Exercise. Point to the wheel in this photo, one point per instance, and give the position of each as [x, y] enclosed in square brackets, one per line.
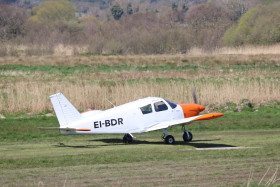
[186, 137]
[127, 138]
[169, 139]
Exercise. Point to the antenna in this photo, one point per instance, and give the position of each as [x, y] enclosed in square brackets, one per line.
[110, 102]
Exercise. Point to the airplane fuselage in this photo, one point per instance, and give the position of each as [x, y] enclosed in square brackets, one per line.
[127, 118]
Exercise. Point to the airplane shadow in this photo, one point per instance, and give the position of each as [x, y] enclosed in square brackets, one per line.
[118, 142]
[84, 146]
[208, 145]
[77, 146]
[194, 143]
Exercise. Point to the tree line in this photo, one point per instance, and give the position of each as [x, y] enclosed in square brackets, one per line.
[130, 30]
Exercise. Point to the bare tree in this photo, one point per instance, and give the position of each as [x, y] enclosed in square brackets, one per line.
[12, 21]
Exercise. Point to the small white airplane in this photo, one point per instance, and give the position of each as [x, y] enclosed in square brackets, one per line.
[143, 115]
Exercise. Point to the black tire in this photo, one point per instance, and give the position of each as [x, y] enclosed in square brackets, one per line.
[124, 139]
[127, 138]
[169, 139]
[187, 138]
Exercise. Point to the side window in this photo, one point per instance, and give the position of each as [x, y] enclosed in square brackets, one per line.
[147, 109]
[160, 106]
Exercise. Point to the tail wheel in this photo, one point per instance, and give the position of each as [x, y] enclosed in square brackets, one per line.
[187, 136]
[127, 138]
[169, 139]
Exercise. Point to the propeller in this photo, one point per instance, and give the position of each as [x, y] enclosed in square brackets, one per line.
[194, 95]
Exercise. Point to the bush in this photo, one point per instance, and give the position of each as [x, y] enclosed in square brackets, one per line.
[3, 49]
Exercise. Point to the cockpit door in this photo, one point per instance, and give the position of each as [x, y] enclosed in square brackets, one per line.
[163, 112]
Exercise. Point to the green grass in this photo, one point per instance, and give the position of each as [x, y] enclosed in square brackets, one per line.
[32, 157]
[65, 70]
[68, 70]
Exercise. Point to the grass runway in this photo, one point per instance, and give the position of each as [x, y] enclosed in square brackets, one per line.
[32, 157]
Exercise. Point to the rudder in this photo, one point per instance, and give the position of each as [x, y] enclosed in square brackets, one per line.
[65, 112]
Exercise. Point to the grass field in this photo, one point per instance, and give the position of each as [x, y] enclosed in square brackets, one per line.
[26, 82]
[245, 87]
[32, 157]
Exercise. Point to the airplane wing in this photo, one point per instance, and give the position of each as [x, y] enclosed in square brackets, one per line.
[166, 124]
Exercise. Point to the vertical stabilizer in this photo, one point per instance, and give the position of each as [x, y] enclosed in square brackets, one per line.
[66, 113]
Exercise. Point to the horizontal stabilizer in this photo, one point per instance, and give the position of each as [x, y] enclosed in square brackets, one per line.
[83, 130]
[49, 128]
[65, 129]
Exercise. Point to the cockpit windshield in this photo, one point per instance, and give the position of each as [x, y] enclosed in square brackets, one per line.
[172, 105]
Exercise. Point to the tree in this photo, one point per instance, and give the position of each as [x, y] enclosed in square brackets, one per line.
[185, 8]
[117, 11]
[259, 25]
[53, 11]
[137, 9]
[207, 23]
[9, 1]
[129, 9]
[174, 6]
[12, 21]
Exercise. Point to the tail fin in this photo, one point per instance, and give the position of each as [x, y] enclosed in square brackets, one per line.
[65, 112]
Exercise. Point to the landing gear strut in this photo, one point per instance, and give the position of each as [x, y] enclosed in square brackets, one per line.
[127, 138]
[168, 139]
[187, 136]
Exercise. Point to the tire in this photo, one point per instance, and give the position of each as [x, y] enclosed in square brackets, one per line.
[187, 138]
[127, 138]
[169, 139]
[124, 139]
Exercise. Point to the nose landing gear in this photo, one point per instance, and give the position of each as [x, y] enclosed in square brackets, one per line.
[187, 136]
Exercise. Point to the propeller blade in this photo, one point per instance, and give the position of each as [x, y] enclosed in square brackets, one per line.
[194, 96]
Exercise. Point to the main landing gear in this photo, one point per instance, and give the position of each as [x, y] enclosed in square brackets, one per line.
[127, 138]
[169, 139]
